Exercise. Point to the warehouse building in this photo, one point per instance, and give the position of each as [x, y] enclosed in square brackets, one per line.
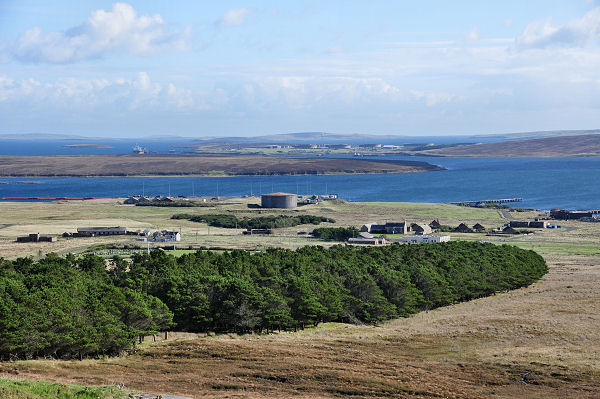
[279, 200]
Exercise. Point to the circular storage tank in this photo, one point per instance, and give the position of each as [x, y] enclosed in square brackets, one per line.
[279, 200]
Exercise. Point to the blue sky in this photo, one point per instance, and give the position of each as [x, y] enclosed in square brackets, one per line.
[140, 68]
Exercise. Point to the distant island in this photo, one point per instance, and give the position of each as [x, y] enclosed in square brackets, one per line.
[198, 165]
[561, 146]
[88, 145]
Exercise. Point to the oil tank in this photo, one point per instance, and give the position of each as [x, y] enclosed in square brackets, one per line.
[279, 200]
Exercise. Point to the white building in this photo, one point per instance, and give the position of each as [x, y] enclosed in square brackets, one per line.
[424, 239]
[166, 236]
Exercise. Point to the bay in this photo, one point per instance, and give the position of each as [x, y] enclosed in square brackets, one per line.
[543, 183]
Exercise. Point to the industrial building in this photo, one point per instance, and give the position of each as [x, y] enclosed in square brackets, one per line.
[279, 200]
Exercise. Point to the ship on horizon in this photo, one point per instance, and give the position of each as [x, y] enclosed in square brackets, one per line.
[137, 149]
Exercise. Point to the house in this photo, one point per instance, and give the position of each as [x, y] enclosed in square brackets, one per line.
[421, 229]
[463, 228]
[166, 236]
[101, 231]
[367, 239]
[509, 230]
[424, 239]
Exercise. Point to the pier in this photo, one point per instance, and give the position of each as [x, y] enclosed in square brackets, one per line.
[484, 202]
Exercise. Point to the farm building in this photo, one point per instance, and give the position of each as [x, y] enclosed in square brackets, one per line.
[36, 237]
[518, 223]
[435, 224]
[388, 228]
[424, 239]
[537, 224]
[367, 238]
[479, 227]
[463, 228]
[101, 231]
[421, 229]
[279, 200]
[568, 215]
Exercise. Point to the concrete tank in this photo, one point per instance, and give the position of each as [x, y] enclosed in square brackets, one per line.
[279, 200]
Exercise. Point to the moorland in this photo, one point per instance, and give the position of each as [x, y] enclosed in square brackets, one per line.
[199, 165]
[536, 341]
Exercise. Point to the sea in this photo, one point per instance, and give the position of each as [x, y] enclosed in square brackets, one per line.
[542, 183]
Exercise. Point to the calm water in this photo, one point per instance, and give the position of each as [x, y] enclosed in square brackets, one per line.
[543, 183]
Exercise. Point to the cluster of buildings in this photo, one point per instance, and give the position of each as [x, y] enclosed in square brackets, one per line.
[422, 234]
[396, 228]
[136, 199]
[157, 236]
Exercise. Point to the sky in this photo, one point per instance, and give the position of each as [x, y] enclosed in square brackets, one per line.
[235, 68]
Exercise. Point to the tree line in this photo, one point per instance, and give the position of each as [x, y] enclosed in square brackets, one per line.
[262, 222]
[67, 307]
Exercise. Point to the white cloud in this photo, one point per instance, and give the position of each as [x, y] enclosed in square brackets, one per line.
[68, 93]
[118, 31]
[472, 35]
[578, 32]
[234, 17]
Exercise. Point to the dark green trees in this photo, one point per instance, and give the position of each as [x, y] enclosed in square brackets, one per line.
[68, 307]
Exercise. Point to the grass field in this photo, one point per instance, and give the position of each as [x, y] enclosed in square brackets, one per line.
[19, 389]
[541, 341]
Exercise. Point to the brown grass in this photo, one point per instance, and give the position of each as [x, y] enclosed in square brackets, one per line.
[546, 334]
[212, 165]
[561, 146]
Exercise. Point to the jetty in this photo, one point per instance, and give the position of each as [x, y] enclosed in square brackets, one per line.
[484, 202]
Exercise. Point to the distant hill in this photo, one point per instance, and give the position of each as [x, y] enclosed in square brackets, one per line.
[560, 146]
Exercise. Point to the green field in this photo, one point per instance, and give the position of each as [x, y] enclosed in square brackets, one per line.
[23, 389]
